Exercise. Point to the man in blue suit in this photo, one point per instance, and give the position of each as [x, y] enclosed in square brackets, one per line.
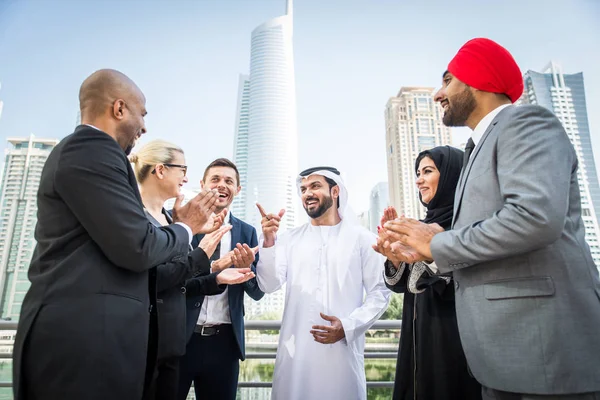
[215, 324]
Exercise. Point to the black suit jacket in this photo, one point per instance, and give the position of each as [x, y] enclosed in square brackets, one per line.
[171, 291]
[241, 232]
[84, 326]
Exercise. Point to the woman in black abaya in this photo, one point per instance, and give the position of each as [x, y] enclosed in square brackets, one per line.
[431, 363]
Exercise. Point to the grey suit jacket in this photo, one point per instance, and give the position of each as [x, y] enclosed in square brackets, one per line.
[527, 289]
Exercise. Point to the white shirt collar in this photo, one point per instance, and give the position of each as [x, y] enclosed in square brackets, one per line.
[226, 220]
[92, 126]
[485, 123]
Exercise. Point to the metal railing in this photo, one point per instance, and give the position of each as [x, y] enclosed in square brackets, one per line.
[257, 325]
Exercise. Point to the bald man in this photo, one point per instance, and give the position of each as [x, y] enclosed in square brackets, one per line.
[84, 326]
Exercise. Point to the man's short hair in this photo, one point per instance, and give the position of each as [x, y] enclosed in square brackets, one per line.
[222, 162]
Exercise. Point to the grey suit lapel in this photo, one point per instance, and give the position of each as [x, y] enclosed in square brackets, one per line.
[464, 175]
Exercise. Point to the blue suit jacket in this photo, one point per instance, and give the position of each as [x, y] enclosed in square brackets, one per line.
[241, 232]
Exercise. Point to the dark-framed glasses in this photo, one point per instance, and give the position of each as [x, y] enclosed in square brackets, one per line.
[183, 167]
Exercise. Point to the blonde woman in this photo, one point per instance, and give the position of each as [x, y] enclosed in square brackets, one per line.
[160, 170]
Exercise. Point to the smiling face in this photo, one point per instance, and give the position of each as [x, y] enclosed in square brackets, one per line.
[428, 177]
[317, 196]
[172, 176]
[457, 100]
[132, 125]
[224, 179]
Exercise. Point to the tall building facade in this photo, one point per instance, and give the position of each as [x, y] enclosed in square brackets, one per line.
[18, 216]
[380, 199]
[564, 95]
[363, 219]
[272, 132]
[413, 123]
[240, 145]
[266, 139]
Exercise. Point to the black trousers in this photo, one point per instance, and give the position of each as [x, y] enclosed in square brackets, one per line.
[165, 382]
[213, 364]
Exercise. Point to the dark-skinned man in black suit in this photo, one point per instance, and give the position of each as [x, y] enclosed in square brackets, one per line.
[85, 321]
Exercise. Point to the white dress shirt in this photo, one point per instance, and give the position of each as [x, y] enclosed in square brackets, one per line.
[215, 309]
[485, 123]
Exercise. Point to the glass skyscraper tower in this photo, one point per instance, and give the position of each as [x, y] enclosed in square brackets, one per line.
[564, 95]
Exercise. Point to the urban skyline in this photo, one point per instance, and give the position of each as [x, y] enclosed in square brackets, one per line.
[272, 145]
[413, 123]
[348, 57]
[266, 135]
[18, 216]
[564, 95]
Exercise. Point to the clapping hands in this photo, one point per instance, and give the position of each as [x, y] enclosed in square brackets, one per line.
[389, 243]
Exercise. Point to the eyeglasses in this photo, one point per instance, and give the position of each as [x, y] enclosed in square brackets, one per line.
[183, 168]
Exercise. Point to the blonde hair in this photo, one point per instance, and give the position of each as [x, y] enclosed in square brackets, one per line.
[153, 153]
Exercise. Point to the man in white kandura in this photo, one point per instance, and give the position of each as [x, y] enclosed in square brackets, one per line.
[329, 266]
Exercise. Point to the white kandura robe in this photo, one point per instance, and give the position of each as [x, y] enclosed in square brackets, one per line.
[323, 275]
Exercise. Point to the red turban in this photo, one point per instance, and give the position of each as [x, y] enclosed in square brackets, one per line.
[485, 65]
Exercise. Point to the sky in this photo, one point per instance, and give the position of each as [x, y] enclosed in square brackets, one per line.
[350, 57]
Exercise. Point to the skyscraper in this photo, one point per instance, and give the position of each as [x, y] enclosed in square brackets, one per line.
[18, 216]
[240, 145]
[266, 142]
[380, 198]
[413, 123]
[272, 132]
[564, 95]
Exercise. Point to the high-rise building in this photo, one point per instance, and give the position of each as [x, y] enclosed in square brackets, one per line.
[266, 143]
[363, 219]
[272, 132]
[18, 216]
[379, 200]
[564, 95]
[240, 145]
[413, 123]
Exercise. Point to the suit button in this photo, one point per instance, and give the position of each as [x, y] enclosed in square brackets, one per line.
[456, 285]
[197, 304]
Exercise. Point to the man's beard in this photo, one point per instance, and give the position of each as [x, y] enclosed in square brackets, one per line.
[459, 108]
[125, 131]
[321, 209]
[129, 148]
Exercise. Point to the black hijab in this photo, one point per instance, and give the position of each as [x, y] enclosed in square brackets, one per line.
[448, 160]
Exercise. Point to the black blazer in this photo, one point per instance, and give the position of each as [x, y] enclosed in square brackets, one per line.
[241, 232]
[171, 290]
[84, 326]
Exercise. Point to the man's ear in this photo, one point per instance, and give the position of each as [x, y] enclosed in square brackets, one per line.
[118, 109]
[335, 191]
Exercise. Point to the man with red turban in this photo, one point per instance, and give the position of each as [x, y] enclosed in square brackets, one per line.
[527, 289]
